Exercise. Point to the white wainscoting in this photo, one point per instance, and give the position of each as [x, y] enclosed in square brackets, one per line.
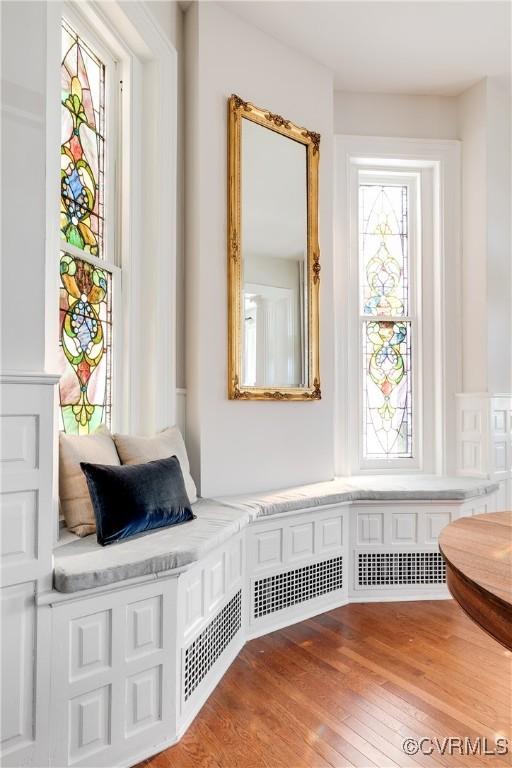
[113, 675]
[132, 665]
[484, 440]
[27, 522]
[123, 670]
[394, 552]
[297, 566]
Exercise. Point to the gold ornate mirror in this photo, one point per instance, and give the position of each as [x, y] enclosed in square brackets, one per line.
[273, 257]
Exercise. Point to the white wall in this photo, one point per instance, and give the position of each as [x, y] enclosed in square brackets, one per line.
[473, 132]
[499, 245]
[395, 115]
[169, 18]
[23, 228]
[484, 127]
[244, 446]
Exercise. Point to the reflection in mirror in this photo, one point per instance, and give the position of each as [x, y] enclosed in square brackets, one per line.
[274, 259]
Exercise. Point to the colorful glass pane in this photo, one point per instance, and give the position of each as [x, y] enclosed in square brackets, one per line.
[85, 345]
[383, 245]
[82, 144]
[387, 411]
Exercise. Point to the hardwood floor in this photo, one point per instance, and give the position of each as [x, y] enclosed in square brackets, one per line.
[347, 687]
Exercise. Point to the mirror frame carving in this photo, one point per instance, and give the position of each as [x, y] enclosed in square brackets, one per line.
[239, 109]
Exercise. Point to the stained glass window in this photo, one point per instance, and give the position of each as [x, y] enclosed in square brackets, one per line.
[82, 144]
[85, 345]
[85, 349]
[383, 249]
[386, 328]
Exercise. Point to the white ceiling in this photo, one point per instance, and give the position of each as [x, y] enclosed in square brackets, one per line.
[429, 47]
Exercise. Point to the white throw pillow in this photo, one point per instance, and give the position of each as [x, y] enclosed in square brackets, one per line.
[139, 450]
[75, 502]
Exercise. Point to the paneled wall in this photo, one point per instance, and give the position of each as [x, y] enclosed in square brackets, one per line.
[28, 519]
[484, 440]
[244, 446]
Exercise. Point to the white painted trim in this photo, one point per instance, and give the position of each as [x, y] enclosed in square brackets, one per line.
[52, 188]
[144, 384]
[21, 377]
[443, 157]
[443, 594]
[484, 439]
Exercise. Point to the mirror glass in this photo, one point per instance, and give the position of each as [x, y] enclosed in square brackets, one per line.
[274, 237]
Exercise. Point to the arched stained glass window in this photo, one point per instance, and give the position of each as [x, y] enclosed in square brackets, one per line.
[85, 350]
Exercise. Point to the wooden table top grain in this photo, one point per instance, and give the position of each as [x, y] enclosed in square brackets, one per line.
[478, 555]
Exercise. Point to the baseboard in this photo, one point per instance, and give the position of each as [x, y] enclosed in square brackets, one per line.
[414, 597]
[140, 757]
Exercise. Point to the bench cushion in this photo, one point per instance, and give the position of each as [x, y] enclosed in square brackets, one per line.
[83, 564]
[361, 488]
[422, 487]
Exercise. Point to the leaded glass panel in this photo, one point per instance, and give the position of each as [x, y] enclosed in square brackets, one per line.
[387, 385]
[383, 249]
[82, 144]
[85, 350]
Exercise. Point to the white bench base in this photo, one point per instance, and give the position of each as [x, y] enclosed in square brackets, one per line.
[133, 664]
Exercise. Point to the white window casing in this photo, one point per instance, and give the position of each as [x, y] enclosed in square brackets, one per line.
[140, 233]
[431, 171]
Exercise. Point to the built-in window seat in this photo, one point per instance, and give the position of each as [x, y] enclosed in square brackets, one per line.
[143, 630]
[361, 488]
[81, 563]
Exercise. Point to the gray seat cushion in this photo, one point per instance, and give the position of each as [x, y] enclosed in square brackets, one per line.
[81, 563]
[422, 487]
[362, 488]
[269, 503]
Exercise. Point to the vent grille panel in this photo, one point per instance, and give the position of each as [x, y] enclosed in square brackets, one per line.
[274, 593]
[376, 569]
[202, 654]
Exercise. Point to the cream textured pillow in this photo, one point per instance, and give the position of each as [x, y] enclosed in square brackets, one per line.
[75, 502]
[139, 450]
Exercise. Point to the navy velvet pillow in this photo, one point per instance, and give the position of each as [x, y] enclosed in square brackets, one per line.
[133, 498]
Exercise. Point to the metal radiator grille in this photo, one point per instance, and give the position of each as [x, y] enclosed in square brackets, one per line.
[285, 589]
[394, 568]
[202, 654]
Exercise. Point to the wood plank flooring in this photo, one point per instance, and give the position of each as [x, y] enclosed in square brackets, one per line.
[347, 687]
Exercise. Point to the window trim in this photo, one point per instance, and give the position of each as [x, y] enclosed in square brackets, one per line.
[412, 180]
[146, 387]
[441, 158]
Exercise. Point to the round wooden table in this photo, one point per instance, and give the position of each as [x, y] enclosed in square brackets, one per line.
[478, 555]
